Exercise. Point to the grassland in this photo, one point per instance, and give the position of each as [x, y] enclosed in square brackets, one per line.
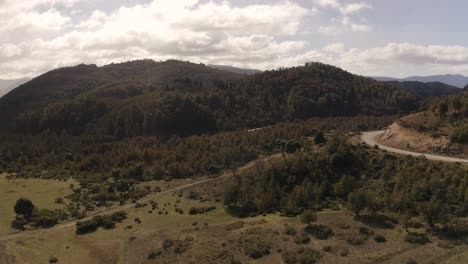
[217, 237]
[42, 192]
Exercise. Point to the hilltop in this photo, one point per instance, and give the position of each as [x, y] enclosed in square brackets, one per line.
[175, 97]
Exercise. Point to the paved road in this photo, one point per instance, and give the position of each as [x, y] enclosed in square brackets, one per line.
[370, 138]
[72, 223]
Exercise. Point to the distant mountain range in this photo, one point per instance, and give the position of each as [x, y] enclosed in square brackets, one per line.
[7, 85]
[457, 80]
[235, 70]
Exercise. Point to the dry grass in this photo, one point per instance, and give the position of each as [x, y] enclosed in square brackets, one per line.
[41, 192]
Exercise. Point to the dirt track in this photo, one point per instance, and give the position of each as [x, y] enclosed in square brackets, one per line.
[72, 223]
[370, 138]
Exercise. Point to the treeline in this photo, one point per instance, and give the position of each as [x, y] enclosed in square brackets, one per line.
[159, 99]
[93, 158]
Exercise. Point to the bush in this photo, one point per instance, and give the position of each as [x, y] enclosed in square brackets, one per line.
[87, 226]
[456, 227]
[417, 238]
[356, 240]
[104, 221]
[380, 239]
[319, 231]
[154, 255]
[327, 248]
[45, 218]
[365, 231]
[302, 256]
[201, 210]
[290, 231]
[255, 249]
[53, 259]
[167, 243]
[302, 238]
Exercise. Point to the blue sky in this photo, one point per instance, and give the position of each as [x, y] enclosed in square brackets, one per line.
[369, 37]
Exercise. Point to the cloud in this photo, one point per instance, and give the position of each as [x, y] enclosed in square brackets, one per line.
[346, 11]
[211, 32]
[399, 59]
[328, 30]
[360, 28]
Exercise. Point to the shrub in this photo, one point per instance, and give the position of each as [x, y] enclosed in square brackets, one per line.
[87, 226]
[356, 240]
[201, 210]
[380, 239]
[290, 231]
[255, 249]
[104, 221]
[302, 238]
[167, 243]
[155, 254]
[180, 246]
[45, 218]
[417, 238]
[53, 259]
[365, 231]
[456, 227]
[327, 248]
[321, 232]
[302, 256]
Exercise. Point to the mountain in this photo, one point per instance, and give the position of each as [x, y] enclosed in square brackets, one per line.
[235, 70]
[174, 97]
[457, 80]
[8, 85]
[430, 89]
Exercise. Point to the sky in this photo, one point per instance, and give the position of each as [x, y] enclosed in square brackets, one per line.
[396, 38]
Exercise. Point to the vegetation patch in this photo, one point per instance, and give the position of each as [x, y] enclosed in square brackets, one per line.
[104, 221]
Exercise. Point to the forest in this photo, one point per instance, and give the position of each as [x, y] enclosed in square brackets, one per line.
[146, 98]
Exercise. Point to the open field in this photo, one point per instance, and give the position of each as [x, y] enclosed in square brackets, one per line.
[217, 237]
[42, 192]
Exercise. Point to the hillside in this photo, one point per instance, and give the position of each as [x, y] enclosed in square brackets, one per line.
[173, 97]
[456, 80]
[442, 128]
[235, 69]
[430, 89]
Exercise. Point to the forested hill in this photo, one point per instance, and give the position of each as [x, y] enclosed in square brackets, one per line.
[430, 89]
[174, 97]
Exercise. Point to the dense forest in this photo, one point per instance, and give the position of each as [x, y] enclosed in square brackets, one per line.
[93, 158]
[147, 98]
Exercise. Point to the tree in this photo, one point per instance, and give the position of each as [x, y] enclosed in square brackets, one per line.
[320, 138]
[24, 207]
[358, 200]
[442, 108]
[308, 216]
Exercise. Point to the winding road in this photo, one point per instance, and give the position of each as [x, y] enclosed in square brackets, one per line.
[370, 138]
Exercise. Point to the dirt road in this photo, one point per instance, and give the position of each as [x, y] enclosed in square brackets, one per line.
[72, 223]
[370, 138]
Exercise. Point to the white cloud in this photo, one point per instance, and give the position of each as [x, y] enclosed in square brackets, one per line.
[361, 28]
[346, 11]
[328, 30]
[399, 59]
[160, 29]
